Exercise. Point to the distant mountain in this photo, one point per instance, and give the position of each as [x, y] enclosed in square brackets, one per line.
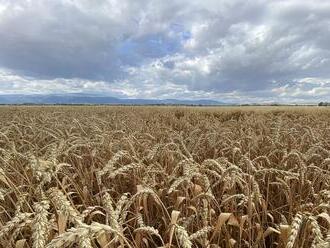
[93, 99]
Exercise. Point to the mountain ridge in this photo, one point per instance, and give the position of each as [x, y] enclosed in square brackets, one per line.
[97, 99]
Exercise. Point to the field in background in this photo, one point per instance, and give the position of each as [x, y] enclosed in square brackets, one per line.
[164, 177]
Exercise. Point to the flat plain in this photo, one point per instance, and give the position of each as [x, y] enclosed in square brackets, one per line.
[115, 176]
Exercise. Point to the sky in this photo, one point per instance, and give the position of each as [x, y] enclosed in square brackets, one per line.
[232, 51]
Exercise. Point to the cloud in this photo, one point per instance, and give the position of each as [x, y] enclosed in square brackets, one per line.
[235, 50]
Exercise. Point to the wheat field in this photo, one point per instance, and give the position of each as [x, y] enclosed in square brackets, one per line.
[98, 176]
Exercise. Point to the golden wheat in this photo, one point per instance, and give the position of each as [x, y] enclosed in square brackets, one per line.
[98, 176]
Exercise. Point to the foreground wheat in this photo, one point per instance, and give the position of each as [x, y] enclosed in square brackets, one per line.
[164, 177]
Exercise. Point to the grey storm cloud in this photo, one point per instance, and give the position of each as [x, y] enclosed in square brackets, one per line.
[260, 50]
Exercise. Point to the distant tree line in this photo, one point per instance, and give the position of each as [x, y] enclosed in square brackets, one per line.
[324, 104]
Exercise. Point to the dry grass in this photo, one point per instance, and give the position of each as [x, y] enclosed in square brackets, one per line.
[164, 177]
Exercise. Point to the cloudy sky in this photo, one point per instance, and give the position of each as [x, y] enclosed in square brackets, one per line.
[233, 50]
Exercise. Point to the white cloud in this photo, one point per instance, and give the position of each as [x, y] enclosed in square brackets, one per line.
[236, 50]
